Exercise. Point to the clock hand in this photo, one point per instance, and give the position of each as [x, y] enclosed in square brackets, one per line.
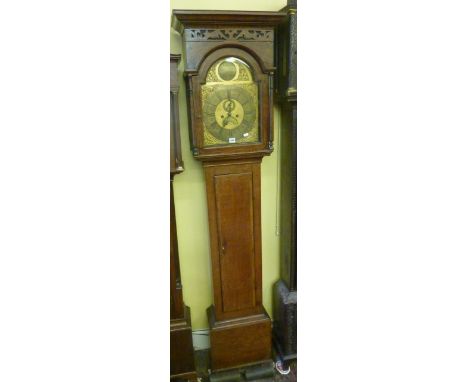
[229, 106]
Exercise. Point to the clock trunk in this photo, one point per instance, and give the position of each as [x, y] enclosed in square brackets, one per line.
[233, 195]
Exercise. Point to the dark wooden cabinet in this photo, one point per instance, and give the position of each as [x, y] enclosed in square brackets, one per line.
[176, 162]
[177, 303]
[285, 294]
[182, 357]
[229, 57]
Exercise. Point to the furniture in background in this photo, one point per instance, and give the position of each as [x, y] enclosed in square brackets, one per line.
[182, 357]
[285, 294]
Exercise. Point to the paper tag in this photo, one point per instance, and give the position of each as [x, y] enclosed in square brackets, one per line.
[232, 140]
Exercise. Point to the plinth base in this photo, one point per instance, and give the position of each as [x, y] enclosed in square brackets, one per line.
[240, 341]
[285, 317]
[182, 358]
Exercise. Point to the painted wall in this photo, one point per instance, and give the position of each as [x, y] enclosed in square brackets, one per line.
[190, 195]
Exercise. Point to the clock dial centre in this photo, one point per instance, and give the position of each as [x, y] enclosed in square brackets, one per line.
[229, 114]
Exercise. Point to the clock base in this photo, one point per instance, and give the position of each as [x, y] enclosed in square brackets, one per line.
[239, 341]
[182, 357]
[285, 315]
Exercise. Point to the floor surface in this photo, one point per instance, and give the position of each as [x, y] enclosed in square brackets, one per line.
[202, 363]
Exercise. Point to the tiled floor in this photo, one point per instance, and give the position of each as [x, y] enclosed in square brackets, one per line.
[202, 361]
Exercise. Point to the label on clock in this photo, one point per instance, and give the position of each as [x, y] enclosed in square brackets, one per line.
[232, 140]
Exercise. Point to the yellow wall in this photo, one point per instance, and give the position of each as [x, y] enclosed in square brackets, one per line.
[190, 196]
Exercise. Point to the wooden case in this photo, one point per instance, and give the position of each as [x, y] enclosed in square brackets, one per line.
[240, 327]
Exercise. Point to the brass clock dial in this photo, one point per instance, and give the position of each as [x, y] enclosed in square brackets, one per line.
[230, 104]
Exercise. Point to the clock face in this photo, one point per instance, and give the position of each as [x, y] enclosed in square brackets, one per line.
[230, 104]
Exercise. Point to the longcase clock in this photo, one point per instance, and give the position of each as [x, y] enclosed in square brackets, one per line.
[229, 69]
[182, 358]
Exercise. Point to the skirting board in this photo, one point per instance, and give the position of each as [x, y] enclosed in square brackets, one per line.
[201, 339]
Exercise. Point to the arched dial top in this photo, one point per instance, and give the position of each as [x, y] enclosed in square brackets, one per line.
[230, 104]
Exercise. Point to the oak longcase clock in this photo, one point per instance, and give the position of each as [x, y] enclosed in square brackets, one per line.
[229, 68]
